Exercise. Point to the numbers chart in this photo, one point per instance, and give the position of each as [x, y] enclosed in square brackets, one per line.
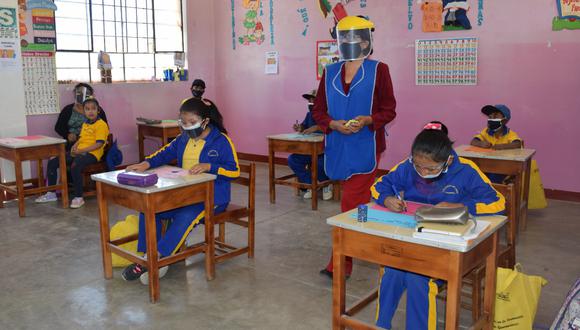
[446, 61]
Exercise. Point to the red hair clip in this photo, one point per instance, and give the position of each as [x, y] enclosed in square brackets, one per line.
[435, 126]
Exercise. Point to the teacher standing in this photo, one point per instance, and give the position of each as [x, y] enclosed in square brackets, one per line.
[354, 102]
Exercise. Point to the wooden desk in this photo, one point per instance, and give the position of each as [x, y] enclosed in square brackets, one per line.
[396, 247]
[164, 131]
[167, 194]
[515, 162]
[36, 148]
[295, 143]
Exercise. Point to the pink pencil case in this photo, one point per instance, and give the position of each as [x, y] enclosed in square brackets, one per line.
[137, 179]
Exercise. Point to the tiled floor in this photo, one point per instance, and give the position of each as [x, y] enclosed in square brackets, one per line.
[52, 275]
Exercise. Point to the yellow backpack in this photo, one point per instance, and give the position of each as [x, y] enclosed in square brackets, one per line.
[123, 228]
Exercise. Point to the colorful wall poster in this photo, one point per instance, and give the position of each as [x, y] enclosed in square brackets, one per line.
[446, 61]
[37, 29]
[568, 15]
[8, 39]
[252, 23]
[326, 53]
[432, 16]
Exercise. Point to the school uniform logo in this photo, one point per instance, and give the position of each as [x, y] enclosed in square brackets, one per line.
[213, 153]
[450, 190]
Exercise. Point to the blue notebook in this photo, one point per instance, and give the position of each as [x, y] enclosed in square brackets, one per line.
[389, 218]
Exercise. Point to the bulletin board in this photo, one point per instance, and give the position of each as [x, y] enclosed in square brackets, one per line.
[326, 53]
[40, 85]
[446, 61]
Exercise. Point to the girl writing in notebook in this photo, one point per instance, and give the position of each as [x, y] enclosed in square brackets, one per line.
[433, 174]
[202, 147]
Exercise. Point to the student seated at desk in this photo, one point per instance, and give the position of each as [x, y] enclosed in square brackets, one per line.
[433, 174]
[300, 164]
[202, 147]
[87, 150]
[497, 135]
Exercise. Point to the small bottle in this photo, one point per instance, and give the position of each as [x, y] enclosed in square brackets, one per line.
[362, 213]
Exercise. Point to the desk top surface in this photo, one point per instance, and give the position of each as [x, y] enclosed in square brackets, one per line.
[508, 154]
[298, 137]
[167, 180]
[344, 220]
[29, 141]
[165, 124]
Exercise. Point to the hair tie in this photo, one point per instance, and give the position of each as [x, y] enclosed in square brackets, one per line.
[435, 126]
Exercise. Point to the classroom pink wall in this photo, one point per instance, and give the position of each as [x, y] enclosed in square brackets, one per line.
[522, 63]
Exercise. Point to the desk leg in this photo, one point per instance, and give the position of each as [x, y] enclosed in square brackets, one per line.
[40, 173]
[314, 177]
[140, 138]
[164, 137]
[19, 184]
[209, 232]
[338, 279]
[152, 255]
[526, 193]
[272, 173]
[2, 191]
[63, 177]
[490, 284]
[105, 234]
[453, 292]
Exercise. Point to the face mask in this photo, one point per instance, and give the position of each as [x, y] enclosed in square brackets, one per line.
[350, 50]
[194, 130]
[197, 93]
[431, 176]
[494, 124]
[310, 106]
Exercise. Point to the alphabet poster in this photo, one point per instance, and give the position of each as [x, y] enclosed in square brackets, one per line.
[446, 61]
[8, 39]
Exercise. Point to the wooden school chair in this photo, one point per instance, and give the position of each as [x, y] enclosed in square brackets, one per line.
[472, 287]
[99, 167]
[235, 214]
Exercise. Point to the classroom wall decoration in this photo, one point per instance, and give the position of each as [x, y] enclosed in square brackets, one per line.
[8, 39]
[40, 85]
[252, 23]
[444, 15]
[303, 13]
[37, 29]
[568, 15]
[446, 61]
[326, 53]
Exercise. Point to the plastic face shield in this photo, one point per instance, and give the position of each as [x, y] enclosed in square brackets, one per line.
[81, 94]
[354, 44]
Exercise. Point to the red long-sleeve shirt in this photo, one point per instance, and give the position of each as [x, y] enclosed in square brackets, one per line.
[383, 111]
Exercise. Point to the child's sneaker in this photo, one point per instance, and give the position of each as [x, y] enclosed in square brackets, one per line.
[77, 202]
[133, 272]
[308, 194]
[327, 193]
[48, 197]
[144, 278]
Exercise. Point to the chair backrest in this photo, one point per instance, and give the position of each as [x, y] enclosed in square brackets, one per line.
[248, 181]
[508, 191]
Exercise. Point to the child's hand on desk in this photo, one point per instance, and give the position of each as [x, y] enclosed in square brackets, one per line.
[480, 143]
[297, 127]
[141, 167]
[200, 168]
[446, 204]
[394, 204]
[310, 130]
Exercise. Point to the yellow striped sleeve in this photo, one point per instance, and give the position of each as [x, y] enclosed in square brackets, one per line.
[160, 150]
[486, 208]
[228, 173]
[374, 192]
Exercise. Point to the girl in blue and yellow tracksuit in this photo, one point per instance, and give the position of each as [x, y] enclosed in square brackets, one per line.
[434, 174]
[202, 147]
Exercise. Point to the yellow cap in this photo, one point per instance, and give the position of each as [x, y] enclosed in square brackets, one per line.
[354, 23]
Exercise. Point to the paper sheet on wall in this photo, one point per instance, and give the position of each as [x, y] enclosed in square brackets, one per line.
[446, 61]
[40, 85]
[271, 63]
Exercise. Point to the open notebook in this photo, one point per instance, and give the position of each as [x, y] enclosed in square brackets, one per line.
[380, 214]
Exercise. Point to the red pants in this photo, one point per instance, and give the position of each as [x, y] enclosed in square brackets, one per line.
[355, 191]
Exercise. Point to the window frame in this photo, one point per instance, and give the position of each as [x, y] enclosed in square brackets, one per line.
[90, 51]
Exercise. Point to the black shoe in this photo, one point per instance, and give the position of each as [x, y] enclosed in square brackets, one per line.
[133, 272]
[329, 274]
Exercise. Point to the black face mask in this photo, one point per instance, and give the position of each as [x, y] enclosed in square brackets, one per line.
[494, 124]
[194, 133]
[310, 107]
[350, 50]
[197, 93]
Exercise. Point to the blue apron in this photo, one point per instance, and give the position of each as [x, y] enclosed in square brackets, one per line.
[346, 155]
